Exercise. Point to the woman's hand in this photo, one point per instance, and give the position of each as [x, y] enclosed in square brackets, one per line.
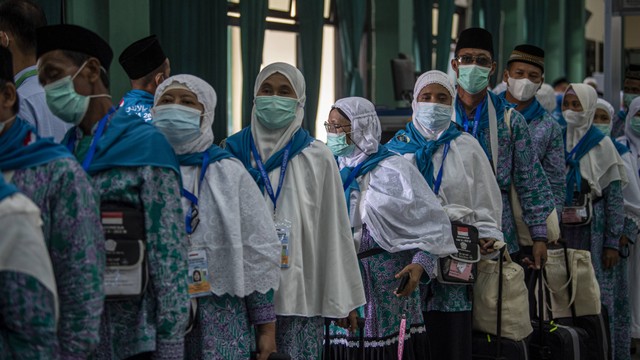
[350, 323]
[266, 340]
[610, 258]
[415, 272]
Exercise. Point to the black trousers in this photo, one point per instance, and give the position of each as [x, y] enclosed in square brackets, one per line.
[449, 334]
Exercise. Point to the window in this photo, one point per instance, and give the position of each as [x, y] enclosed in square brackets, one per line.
[280, 44]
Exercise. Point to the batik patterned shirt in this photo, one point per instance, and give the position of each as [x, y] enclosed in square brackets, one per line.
[74, 238]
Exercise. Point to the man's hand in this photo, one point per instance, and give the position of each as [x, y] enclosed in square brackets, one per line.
[486, 245]
[539, 254]
[350, 323]
[610, 258]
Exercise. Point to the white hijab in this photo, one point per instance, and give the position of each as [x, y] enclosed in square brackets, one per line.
[365, 128]
[428, 78]
[236, 229]
[469, 192]
[631, 192]
[602, 164]
[324, 275]
[207, 97]
[270, 141]
[399, 208]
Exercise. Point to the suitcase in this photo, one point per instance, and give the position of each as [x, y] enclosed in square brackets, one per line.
[490, 347]
[596, 327]
[550, 340]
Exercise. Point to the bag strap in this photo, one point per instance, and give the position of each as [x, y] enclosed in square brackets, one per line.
[500, 293]
[574, 286]
[493, 135]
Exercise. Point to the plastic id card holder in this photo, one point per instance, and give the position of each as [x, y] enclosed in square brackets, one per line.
[126, 274]
[198, 279]
[283, 229]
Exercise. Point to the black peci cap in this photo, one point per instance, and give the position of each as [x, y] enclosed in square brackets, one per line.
[73, 38]
[142, 57]
[476, 38]
[529, 54]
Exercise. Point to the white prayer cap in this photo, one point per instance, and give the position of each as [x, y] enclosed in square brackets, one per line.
[604, 105]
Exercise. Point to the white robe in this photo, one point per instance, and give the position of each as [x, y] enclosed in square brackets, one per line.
[469, 192]
[324, 276]
[236, 229]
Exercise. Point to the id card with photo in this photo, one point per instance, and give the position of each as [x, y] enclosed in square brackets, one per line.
[283, 229]
[198, 278]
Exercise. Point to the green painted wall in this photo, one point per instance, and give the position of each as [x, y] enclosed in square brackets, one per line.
[120, 22]
[393, 34]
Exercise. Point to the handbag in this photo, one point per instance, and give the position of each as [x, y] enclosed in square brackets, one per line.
[581, 280]
[460, 268]
[500, 283]
[522, 229]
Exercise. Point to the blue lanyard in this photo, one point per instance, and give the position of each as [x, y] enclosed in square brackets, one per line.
[476, 118]
[575, 148]
[352, 175]
[265, 176]
[94, 143]
[191, 196]
[436, 185]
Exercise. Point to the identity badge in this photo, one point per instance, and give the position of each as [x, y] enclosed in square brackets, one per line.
[198, 279]
[283, 229]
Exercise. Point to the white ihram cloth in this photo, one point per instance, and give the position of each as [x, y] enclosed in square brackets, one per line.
[324, 275]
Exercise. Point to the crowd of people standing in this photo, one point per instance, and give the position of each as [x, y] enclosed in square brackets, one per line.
[129, 234]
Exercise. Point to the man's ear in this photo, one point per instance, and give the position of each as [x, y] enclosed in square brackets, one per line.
[93, 70]
[8, 96]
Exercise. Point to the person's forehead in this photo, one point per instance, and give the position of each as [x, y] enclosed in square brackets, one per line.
[179, 93]
[55, 57]
[277, 79]
[434, 88]
[525, 67]
[474, 51]
[601, 112]
[335, 116]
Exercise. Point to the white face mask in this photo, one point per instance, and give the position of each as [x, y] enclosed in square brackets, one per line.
[433, 117]
[522, 89]
[574, 118]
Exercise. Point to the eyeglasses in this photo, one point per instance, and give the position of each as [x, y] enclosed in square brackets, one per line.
[480, 60]
[333, 128]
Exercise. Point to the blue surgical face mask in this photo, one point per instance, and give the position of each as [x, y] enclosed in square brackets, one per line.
[473, 78]
[337, 143]
[628, 98]
[604, 128]
[179, 124]
[275, 112]
[64, 102]
[433, 117]
[635, 124]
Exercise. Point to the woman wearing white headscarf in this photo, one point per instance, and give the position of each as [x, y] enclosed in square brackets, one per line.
[465, 185]
[595, 170]
[233, 248]
[400, 225]
[631, 194]
[319, 267]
